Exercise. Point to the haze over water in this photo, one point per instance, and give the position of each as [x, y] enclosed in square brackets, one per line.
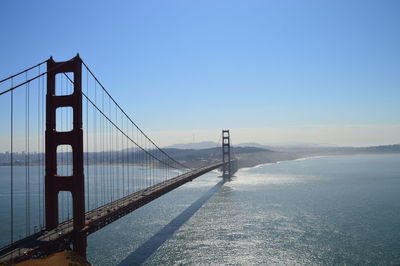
[330, 210]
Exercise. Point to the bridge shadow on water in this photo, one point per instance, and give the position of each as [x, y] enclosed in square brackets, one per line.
[142, 253]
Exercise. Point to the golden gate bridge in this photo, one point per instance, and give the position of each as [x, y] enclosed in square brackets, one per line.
[77, 161]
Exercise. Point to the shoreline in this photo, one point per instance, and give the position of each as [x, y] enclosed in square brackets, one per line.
[310, 157]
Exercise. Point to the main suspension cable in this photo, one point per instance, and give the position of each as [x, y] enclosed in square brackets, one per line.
[119, 129]
[88, 69]
[23, 71]
[38, 76]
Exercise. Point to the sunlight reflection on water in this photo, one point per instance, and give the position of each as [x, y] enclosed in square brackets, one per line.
[260, 176]
[332, 210]
[304, 212]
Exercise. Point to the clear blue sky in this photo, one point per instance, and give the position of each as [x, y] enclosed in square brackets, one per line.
[203, 65]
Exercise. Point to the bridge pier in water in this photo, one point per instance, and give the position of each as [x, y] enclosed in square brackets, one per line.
[54, 184]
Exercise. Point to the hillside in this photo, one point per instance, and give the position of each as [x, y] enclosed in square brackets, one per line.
[247, 156]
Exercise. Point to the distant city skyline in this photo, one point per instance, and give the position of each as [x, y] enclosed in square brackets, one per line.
[271, 71]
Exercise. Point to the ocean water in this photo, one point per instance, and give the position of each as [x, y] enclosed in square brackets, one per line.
[98, 186]
[316, 211]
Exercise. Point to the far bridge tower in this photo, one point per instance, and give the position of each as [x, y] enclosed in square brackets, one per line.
[226, 154]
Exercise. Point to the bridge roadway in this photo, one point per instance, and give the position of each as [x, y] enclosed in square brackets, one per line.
[47, 241]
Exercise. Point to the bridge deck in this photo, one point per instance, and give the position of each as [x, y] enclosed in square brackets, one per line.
[96, 218]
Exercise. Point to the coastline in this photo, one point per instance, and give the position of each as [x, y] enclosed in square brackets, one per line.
[309, 157]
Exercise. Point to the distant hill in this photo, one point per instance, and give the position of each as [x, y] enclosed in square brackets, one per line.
[210, 144]
[342, 150]
[196, 145]
[286, 145]
[251, 154]
[253, 144]
[195, 157]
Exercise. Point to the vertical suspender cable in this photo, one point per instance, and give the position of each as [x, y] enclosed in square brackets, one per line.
[134, 165]
[43, 144]
[122, 157]
[116, 153]
[145, 164]
[12, 163]
[151, 166]
[148, 169]
[109, 161]
[95, 148]
[112, 154]
[124, 163]
[26, 157]
[43, 133]
[67, 127]
[28, 163]
[109, 153]
[87, 144]
[110, 141]
[106, 158]
[141, 161]
[102, 151]
[128, 153]
[38, 147]
[63, 149]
